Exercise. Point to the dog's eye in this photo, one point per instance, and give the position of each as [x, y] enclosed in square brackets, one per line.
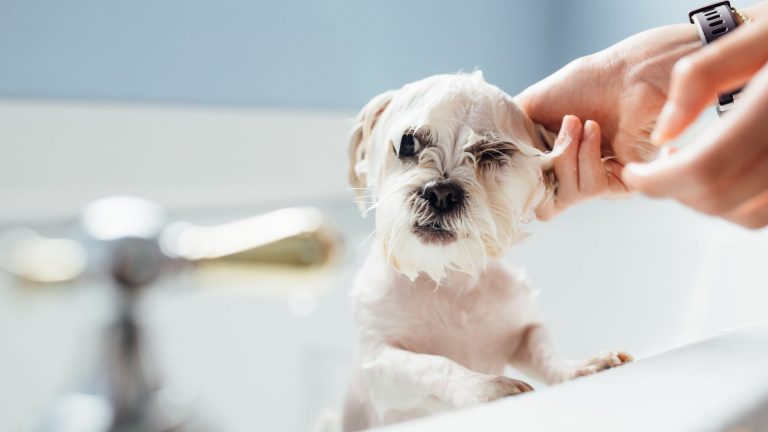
[409, 146]
[491, 154]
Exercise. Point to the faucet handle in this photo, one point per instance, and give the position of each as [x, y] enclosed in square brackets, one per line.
[297, 237]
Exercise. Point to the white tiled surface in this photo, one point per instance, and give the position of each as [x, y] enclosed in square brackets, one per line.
[58, 156]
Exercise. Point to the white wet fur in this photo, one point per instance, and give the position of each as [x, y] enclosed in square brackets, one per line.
[440, 321]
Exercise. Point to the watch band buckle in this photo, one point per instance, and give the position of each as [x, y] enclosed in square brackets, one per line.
[706, 8]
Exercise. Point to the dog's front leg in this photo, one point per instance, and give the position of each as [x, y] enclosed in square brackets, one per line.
[401, 379]
[537, 356]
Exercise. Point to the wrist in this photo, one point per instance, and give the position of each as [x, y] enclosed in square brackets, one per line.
[647, 58]
[684, 34]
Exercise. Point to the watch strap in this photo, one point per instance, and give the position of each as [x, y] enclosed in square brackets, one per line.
[713, 21]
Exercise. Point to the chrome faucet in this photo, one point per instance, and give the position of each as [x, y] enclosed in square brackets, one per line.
[129, 242]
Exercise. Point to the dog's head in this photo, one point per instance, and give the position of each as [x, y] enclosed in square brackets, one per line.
[452, 168]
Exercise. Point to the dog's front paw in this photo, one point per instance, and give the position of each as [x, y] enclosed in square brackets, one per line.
[604, 360]
[489, 389]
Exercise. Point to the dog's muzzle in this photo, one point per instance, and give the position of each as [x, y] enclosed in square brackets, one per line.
[444, 198]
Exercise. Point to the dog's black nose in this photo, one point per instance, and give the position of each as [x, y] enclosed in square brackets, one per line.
[443, 195]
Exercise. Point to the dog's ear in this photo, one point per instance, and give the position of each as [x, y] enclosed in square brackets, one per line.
[360, 145]
[546, 138]
[544, 141]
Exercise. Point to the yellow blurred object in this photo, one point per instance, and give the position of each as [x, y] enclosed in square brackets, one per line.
[283, 243]
[27, 255]
[293, 237]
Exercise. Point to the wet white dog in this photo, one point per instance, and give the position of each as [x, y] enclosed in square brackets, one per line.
[452, 168]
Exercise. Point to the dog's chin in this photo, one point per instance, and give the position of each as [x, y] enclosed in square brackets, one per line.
[435, 253]
[433, 235]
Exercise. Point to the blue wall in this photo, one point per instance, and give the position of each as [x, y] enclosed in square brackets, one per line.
[317, 54]
[597, 24]
[289, 53]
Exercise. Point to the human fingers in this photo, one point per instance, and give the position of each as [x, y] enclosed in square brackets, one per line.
[697, 78]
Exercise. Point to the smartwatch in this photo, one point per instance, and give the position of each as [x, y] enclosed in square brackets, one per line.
[714, 21]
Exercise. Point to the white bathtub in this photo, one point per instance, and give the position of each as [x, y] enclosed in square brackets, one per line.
[642, 275]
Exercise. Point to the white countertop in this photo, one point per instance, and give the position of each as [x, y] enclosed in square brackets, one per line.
[718, 384]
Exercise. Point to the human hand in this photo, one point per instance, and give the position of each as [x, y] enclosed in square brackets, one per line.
[580, 171]
[725, 171]
[623, 88]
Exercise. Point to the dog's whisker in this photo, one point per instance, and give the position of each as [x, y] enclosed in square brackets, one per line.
[365, 240]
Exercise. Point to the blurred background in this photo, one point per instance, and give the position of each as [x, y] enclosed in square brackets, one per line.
[219, 110]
